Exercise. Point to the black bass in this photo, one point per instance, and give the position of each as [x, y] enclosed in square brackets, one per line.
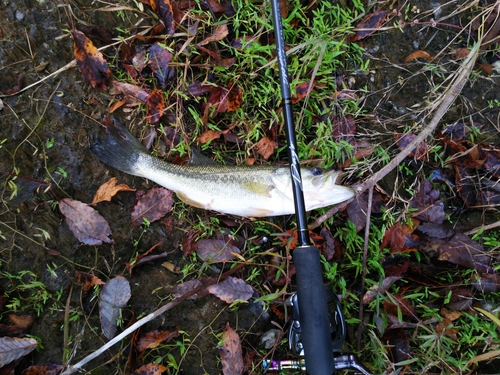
[248, 191]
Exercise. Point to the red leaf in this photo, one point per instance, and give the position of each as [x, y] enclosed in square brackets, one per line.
[46, 369]
[86, 224]
[153, 205]
[302, 90]
[88, 280]
[231, 356]
[150, 369]
[369, 25]
[151, 340]
[108, 190]
[90, 61]
[155, 106]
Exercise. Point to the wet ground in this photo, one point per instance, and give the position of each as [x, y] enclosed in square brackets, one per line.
[44, 134]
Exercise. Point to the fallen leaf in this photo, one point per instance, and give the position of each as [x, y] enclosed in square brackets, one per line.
[155, 105]
[369, 25]
[344, 129]
[88, 226]
[88, 280]
[266, 147]
[90, 61]
[159, 61]
[208, 136]
[150, 369]
[427, 201]
[164, 9]
[46, 369]
[108, 190]
[113, 297]
[466, 252]
[186, 287]
[152, 339]
[188, 242]
[153, 205]
[231, 355]
[302, 90]
[12, 348]
[419, 153]
[210, 250]
[487, 282]
[22, 321]
[219, 33]
[418, 55]
[130, 90]
[397, 345]
[231, 289]
[377, 289]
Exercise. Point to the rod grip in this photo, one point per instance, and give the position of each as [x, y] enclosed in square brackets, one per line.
[314, 319]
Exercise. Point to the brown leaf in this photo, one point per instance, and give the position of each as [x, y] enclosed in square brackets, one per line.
[150, 369]
[369, 25]
[153, 205]
[331, 249]
[88, 280]
[466, 252]
[344, 128]
[231, 355]
[427, 201]
[211, 250]
[46, 369]
[159, 61]
[90, 61]
[155, 106]
[397, 344]
[418, 55]
[208, 136]
[233, 97]
[188, 286]
[108, 190]
[375, 290]
[151, 340]
[22, 321]
[188, 242]
[266, 147]
[113, 297]
[12, 348]
[231, 289]
[220, 33]
[88, 226]
[302, 90]
[397, 301]
[164, 9]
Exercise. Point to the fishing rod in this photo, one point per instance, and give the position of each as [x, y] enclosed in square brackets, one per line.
[315, 333]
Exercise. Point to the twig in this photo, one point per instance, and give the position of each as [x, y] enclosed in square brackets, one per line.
[483, 227]
[441, 105]
[213, 280]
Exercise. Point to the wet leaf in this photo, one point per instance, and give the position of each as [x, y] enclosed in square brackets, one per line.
[344, 128]
[155, 105]
[188, 242]
[220, 33]
[465, 252]
[88, 280]
[231, 289]
[266, 146]
[150, 369]
[233, 97]
[164, 9]
[46, 369]
[210, 250]
[369, 25]
[301, 91]
[398, 302]
[159, 61]
[152, 339]
[98, 32]
[426, 200]
[419, 153]
[231, 355]
[221, 6]
[130, 90]
[90, 61]
[208, 136]
[113, 297]
[487, 282]
[153, 205]
[331, 249]
[88, 226]
[108, 190]
[12, 348]
[418, 55]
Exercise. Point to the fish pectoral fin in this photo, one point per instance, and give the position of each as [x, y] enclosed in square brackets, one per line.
[183, 197]
[258, 188]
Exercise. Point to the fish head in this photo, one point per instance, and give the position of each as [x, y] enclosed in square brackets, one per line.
[321, 188]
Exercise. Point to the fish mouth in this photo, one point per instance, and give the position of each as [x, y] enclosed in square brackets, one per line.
[329, 177]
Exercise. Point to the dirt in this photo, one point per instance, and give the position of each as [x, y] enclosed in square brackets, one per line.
[45, 132]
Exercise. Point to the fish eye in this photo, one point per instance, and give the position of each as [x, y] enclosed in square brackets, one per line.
[316, 172]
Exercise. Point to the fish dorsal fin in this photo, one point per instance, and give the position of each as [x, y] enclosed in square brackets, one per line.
[197, 158]
[258, 188]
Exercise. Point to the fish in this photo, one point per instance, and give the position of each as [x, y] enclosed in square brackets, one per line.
[241, 190]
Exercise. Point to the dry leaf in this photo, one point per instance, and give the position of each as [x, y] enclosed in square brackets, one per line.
[266, 147]
[231, 289]
[12, 348]
[418, 55]
[151, 340]
[153, 205]
[231, 356]
[108, 190]
[219, 33]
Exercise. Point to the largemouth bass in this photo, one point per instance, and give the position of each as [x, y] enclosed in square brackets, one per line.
[248, 191]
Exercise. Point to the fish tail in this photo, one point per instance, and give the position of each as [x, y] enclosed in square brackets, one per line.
[120, 150]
